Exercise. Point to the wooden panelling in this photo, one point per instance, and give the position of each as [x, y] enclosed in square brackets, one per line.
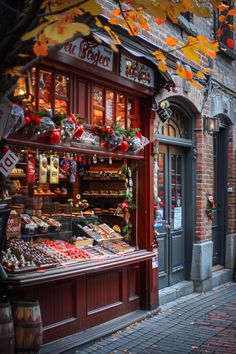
[108, 291]
[57, 302]
[133, 283]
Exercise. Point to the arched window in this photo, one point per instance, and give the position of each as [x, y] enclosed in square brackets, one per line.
[178, 125]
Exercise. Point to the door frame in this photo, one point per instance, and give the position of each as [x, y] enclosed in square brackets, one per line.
[190, 200]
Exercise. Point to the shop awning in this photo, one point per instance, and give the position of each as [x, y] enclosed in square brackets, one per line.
[139, 53]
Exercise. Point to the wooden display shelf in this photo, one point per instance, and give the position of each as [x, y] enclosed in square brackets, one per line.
[18, 175]
[108, 196]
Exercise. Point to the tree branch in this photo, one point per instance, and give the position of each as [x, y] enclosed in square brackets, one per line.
[21, 27]
[63, 10]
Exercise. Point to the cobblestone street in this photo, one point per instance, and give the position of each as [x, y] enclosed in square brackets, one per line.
[197, 323]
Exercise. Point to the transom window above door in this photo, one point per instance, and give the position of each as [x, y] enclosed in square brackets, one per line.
[177, 126]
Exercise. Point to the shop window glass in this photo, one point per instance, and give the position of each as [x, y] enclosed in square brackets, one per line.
[45, 90]
[98, 117]
[131, 107]
[110, 107]
[61, 87]
[98, 97]
[120, 110]
[61, 106]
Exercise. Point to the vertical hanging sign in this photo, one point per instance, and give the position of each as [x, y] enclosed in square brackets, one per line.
[31, 169]
[43, 169]
[8, 161]
[54, 169]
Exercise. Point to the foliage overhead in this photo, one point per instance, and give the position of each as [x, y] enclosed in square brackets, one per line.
[41, 26]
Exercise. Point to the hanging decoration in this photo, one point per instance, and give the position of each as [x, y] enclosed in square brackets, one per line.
[210, 207]
[127, 204]
[117, 138]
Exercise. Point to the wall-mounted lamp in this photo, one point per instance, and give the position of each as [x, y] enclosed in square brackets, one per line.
[163, 110]
[211, 124]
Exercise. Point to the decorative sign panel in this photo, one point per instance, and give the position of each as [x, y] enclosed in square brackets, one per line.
[7, 163]
[136, 71]
[90, 52]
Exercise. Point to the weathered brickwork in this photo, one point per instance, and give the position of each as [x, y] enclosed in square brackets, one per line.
[221, 99]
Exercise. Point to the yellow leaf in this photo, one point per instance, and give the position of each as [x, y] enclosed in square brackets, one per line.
[116, 12]
[21, 55]
[171, 41]
[162, 66]
[191, 54]
[143, 22]
[159, 55]
[132, 15]
[231, 12]
[132, 29]
[112, 34]
[34, 32]
[202, 39]
[196, 84]
[92, 7]
[61, 32]
[200, 75]
[114, 21]
[98, 22]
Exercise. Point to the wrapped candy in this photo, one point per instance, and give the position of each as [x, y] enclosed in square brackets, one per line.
[114, 142]
[16, 120]
[68, 128]
[46, 124]
[138, 142]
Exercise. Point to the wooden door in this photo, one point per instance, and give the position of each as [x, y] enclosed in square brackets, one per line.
[170, 219]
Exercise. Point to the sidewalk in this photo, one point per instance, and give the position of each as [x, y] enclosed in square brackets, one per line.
[197, 323]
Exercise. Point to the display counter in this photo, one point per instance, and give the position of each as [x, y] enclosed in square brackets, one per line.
[75, 297]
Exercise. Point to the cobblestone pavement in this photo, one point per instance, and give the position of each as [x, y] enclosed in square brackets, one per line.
[202, 323]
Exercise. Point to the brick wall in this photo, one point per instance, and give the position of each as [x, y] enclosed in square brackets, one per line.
[224, 83]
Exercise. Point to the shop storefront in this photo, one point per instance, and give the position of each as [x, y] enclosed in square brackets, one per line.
[80, 233]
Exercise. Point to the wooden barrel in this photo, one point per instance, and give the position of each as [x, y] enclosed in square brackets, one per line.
[28, 326]
[6, 329]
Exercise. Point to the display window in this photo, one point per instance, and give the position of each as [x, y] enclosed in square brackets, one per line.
[51, 91]
[68, 208]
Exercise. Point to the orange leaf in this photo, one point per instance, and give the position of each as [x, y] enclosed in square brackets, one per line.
[159, 55]
[162, 65]
[219, 32]
[159, 21]
[230, 43]
[114, 21]
[231, 12]
[210, 53]
[188, 74]
[223, 7]
[132, 15]
[116, 12]
[231, 27]
[40, 49]
[171, 41]
[222, 18]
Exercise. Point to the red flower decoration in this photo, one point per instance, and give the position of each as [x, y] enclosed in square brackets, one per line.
[230, 43]
[55, 136]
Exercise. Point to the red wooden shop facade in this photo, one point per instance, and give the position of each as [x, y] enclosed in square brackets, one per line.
[82, 295]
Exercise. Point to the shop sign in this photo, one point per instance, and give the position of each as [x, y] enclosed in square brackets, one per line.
[7, 163]
[90, 52]
[135, 71]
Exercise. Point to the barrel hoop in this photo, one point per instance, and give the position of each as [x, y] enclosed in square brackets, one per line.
[28, 325]
[25, 304]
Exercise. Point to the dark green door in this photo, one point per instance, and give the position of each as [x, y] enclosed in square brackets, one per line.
[170, 219]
